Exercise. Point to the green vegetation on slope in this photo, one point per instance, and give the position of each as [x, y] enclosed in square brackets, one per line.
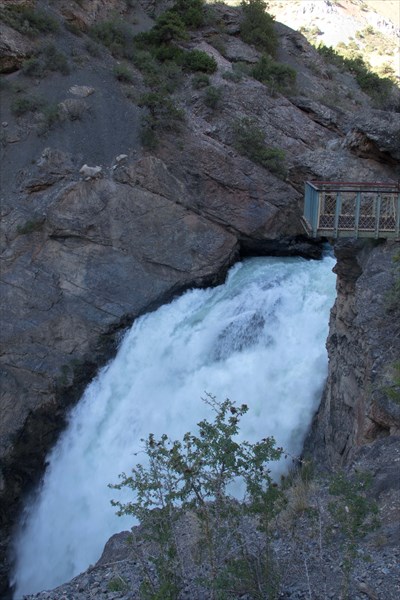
[378, 88]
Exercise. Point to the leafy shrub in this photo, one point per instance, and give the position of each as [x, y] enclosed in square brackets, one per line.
[164, 75]
[200, 80]
[48, 59]
[169, 26]
[150, 67]
[27, 20]
[168, 52]
[197, 60]
[50, 116]
[21, 106]
[213, 96]
[257, 26]
[379, 88]
[191, 12]
[161, 108]
[116, 35]
[276, 75]
[194, 474]
[117, 584]
[249, 141]
[218, 43]
[123, 74]
[55, 60]
[242, 68]
[33, 67]
[162, 115]
[171, 76]
[234, 76]
[93, 48]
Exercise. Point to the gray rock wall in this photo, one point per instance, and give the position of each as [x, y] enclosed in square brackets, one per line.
[363, 347]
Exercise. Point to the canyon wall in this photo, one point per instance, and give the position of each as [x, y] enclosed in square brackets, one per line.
[364, 349]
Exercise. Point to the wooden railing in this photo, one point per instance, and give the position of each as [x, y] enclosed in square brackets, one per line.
[352, 209]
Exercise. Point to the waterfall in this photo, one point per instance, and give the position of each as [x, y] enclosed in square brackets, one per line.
[258, 339]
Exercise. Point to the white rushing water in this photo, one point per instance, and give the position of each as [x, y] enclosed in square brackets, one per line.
[258, 339]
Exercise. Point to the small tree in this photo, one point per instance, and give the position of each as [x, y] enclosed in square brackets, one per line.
[257, 26]
[169, 26]
[194, 474]
[191, 12]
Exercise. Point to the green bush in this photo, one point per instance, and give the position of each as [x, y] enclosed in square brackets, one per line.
[169, 27]
[277, 76]
[27, 20]
[171, 76]
[194, 474]
[191, 12]
[50, 116]
[161, 108]
[213, 97]
[117, 584]
[55, 60]
[145, 62]
[21, 106]
[93, 48]
[257, 26]
[379, 88]
[162, 115]
[48, 59]
[242, 68]
[249, 140]
[197, 60]
[116, 35]
[168, 52]
[200, 80]
[123, 74]
[33, 67]
[234, 76]
[218, 43]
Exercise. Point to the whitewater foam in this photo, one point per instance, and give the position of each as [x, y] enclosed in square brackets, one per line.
[258, 339]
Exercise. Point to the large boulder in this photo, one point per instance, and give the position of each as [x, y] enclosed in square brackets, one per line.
[14, 49]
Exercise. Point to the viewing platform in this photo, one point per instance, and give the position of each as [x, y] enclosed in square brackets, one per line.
[352, 209]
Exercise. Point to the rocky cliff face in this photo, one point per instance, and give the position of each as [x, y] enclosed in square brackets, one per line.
[363, 347]
[83, 258]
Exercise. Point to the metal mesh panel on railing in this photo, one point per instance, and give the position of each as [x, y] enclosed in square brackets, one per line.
[387, 219]
[367, 221]
[347, 211]
[327, 211]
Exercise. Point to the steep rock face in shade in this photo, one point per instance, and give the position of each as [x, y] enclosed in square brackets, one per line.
[363, 346]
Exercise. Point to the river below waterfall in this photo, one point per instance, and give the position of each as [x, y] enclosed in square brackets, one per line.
[258, 339]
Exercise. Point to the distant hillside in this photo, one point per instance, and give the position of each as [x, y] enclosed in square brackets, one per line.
[370, 27]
